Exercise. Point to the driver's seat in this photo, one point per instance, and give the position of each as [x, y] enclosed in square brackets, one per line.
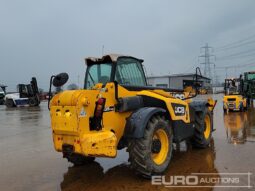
[104, 79]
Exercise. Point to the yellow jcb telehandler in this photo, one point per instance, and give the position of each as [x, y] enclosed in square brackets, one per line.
[116, 110]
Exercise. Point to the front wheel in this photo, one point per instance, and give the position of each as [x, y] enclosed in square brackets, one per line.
[1, 102]
[151, 155]
[203, 129]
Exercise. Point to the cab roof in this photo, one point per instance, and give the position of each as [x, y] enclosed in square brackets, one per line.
[250, 72]
[108, 58]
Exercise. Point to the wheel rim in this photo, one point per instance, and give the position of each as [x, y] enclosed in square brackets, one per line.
[160, 156]
[207, 130]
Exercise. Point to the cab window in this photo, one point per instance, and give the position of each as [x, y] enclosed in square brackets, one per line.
[251, 76]
[129, 71]
[98, 73]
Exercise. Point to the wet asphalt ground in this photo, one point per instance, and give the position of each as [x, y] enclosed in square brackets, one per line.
[28, 160]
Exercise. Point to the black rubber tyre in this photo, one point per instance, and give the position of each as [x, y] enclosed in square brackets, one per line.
[202, 134]
[1, 102]
[157, 143]
[33, 102]
[79, 160]
[9, 103]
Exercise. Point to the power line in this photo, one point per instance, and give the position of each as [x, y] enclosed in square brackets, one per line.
[237, 54]
[192, 67]
[236, 66]
[236, 42]
[226, 68]
[238, 57]
[236, 46]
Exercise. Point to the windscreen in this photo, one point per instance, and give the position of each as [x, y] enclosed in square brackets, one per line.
[232, 87]
[98, 73]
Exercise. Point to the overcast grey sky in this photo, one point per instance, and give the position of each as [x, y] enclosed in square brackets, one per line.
[41, 38]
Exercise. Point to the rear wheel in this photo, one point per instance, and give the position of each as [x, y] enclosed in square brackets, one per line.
[79, 160]
[9, 103]
[203, 129]
[33, 102]
[152, 154]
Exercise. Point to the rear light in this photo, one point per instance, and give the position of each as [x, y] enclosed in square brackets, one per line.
[99, 107]
[96, 120]
[101, 101]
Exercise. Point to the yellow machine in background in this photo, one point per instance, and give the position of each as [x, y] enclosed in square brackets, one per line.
[191, 90]
[203, 91]
[233, 99]
[118, 110]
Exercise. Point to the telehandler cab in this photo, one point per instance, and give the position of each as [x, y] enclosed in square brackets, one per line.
[249, 86]
[116, 109]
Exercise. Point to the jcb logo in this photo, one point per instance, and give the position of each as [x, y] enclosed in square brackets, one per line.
[179, 110]
[179, 96]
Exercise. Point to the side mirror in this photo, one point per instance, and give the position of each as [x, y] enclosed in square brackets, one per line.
[60, 79]
[57, 81]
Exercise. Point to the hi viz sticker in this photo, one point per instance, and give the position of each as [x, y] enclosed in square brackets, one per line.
[82, 113]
